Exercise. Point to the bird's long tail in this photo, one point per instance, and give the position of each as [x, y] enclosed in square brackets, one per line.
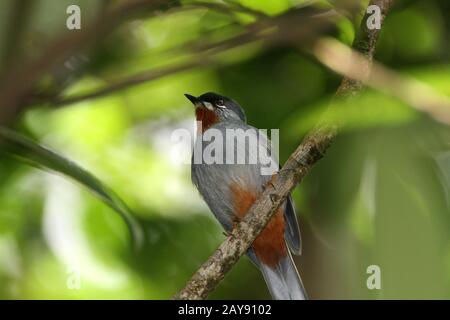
[283, 280]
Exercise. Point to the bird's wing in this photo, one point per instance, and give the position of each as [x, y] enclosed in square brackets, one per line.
[292, 231]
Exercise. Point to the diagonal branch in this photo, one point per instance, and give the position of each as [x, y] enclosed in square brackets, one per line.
[312, 149]
[417, 94]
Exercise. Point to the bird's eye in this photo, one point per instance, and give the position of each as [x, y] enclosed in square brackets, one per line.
[220, 104]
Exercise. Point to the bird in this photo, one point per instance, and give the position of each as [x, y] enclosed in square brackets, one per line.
[230, 189]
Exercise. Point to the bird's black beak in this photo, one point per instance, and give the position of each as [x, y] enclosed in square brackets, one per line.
[198, 103]
[192, 99]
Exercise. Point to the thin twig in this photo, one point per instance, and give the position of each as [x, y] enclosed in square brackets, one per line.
[229, 8]
[297, 166]
[131, 81]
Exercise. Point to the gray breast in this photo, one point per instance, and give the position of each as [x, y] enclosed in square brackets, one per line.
[213, 180]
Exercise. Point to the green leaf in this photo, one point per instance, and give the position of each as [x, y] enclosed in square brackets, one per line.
[31, 153]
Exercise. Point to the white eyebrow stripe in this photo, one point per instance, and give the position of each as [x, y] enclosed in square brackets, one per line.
[208, 106]
[221, 106]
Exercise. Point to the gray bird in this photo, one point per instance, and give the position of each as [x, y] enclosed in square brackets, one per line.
[230, 189]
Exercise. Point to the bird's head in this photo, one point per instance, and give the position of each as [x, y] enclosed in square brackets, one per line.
[211, 108]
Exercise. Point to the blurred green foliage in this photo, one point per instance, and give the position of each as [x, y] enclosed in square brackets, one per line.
[380, 196]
